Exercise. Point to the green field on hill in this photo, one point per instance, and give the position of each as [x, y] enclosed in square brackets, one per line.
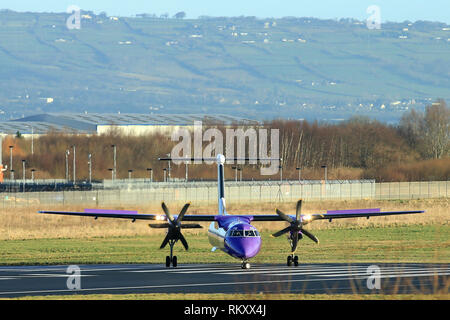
[290, 67]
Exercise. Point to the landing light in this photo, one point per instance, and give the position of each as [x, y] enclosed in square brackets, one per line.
[160, 218]
[307, 217]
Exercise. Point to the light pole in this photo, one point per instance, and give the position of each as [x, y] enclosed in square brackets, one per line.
[169, 167]
[11, 171]
[23, 174]
[74, 165]
[90, 167]
[114, 159]
[325, 167]
[67, 165]
[299, 173]
[235, 173]
[151, 174]
[32, 140]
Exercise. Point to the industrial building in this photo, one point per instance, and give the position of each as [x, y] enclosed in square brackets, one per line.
[98, 123]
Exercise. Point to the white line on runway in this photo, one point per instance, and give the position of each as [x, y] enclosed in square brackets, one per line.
[52, 275]
[336, 272]
[255, 269]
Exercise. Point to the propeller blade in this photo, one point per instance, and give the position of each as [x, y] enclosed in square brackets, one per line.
[167, 212]
[281, 232]
[182, 212]
[159, 225]
[298, 209]
[165, 241]
[183, 241]
[294, 241]
[284, 216]
[191, 226]
[310, 235]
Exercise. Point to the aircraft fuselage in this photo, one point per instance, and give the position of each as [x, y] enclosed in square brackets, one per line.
[235, 236]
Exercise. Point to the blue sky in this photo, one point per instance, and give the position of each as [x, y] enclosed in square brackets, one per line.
[391, 10]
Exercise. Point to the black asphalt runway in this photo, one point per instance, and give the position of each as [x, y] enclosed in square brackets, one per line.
[330, 278]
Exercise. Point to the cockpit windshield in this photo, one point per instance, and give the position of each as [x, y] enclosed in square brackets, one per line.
[244, 233]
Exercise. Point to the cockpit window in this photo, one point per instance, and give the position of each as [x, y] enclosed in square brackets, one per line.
[238, 233]
[249, 233]
[244, 233]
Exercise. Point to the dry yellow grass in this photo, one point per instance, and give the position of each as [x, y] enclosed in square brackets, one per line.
[26, 223]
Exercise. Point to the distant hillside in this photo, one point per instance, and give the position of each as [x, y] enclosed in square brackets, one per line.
[258, 68]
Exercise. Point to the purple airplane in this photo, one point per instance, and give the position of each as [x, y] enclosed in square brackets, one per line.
[232, 234]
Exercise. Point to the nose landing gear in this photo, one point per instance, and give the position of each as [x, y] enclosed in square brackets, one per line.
[291, 259]
[245, 265]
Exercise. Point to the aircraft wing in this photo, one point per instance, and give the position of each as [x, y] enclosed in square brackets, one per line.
[337, 214]
[134, 215]
[127, 214]
[356, 213]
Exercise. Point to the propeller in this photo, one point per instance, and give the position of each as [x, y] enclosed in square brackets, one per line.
[296, 226]
[174, 226]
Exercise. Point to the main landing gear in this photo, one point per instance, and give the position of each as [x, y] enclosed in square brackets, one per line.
[171, 260]
[291, 259]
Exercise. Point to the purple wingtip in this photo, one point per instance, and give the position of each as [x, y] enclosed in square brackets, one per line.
[108, 211]
[355, 211]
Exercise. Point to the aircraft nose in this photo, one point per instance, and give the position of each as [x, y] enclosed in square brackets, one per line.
[244, 247]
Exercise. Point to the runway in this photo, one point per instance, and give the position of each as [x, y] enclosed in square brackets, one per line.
[331, 278]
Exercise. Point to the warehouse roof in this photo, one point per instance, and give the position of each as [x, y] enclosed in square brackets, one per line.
[88, 122]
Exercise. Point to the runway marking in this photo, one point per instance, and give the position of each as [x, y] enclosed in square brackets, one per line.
[319, 273]
[254, 269]
[239, 283]
[53, 275]
[337, 272]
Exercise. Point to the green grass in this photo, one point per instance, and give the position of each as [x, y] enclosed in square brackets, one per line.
[414, 243]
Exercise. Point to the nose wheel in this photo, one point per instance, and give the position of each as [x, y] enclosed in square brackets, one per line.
[245, 265]
[171, 261]
[292, 260]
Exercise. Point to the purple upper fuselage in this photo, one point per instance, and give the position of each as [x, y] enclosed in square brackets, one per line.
[241, 239]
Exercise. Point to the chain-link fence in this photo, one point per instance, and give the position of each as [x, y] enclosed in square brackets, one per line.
[235, 192]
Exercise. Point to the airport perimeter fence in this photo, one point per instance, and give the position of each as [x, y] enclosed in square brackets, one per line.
[235, 192]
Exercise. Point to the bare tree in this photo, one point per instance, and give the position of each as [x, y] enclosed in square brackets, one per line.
[437, 129]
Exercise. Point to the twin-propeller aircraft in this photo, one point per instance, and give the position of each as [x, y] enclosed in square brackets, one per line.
[232, 234]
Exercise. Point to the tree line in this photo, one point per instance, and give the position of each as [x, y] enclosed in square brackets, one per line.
[417, 148]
